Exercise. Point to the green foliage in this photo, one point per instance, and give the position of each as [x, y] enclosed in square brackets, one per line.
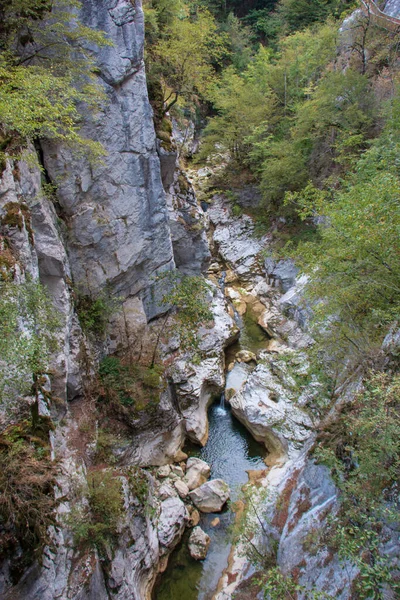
[105, 442]
[94, 312]
[188, 297]
[256, 109]
[138, 482]
[363, 450]
[277, 586]
[182, 57]
[96, 523]
[242, 103]
[27, 501]
[28, 327]
[239, 41]
[354, 269]
[45, 71]
[337, 117]
[298, 14]
[127, 389]
[293, 115]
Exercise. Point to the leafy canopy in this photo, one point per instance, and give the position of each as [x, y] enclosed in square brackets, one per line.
[354, 267]
[46, 70]
[183, 58]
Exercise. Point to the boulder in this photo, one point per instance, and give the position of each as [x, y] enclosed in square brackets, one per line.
[211, 496]
[265, 405]
[197, 473]
[268, 321]
[246, 356]
[173, 517]
[180, 456]
[177, 470]
[198, 544]
[163, 471]
[194, 517]
[281, 273]
[181, 488]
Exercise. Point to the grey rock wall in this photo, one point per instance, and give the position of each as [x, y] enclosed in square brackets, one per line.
[40, 254]
[115, 210]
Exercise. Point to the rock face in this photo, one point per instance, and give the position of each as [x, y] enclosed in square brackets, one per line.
[38, 252]
[211, 496]
[196, 385]
[281, 273]
[112, 228]
[296, 511]
[116, 211]
[234, 239]
[265, 406]
[199, 543]
[172, 521]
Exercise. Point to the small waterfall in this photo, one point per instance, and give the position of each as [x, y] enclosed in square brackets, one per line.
[222, 401]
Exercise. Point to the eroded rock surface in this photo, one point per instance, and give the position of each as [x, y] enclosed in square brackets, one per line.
[268, 410]
[211, 496]
[116, 211]
[198, 543]
[197, 473]
[173, 517]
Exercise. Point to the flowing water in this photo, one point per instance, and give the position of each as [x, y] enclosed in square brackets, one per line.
[230, 451]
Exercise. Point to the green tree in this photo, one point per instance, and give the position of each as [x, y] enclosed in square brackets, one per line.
[183, 58]
[239, 41]
[354, 267]
[186, 299]
[46, 70]
[367, 477]
[242, 102]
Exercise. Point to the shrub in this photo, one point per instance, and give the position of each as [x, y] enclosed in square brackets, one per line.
[129, 388]
[27, 501]
[28, 327]
[94, 313]
[363, 450]
[96, 524]
[139, 484]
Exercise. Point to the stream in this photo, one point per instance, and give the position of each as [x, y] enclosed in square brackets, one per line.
[230, 451]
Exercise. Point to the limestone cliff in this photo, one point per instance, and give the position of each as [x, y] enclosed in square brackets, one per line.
[109, 228]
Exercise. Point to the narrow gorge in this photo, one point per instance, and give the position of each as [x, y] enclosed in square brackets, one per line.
[167, 417]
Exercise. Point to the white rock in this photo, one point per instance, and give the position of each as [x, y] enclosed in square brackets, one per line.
[177, 470]
[199, 543]
[268, 411]
[181, 488]
[166, 491]
[197, 472]
[211, 496]
[172, 520]
[163, 471]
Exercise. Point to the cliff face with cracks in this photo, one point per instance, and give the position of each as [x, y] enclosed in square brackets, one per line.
[116, 211]
[113, 228]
